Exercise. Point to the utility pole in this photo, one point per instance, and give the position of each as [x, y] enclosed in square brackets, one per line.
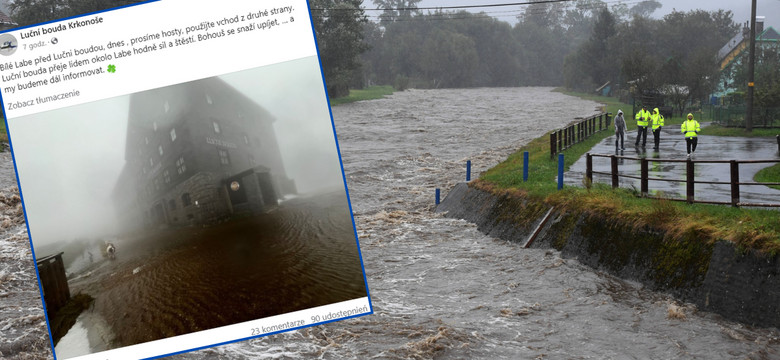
[751, 69]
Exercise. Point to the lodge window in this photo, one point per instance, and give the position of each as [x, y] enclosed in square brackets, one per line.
[146, 140]
[185, 199]
[154, 125]
[166, 106]
[151, 162]
[208, 99]
[224, 157]
[160, 149]
[246, 140]
[216, 127]
[173, 135]
[167, 176]
[180, 166]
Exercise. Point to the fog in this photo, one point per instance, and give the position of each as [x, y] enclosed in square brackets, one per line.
[296, 99]
[68, 162]
[69, 159]
[741, 9]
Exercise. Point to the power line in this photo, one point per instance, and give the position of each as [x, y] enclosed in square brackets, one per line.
[617, 2]
[473, 6]
[488, 14]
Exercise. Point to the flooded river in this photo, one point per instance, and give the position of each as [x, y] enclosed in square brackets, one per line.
[440, 289]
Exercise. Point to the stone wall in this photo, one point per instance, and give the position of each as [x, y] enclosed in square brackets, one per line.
[739, 285]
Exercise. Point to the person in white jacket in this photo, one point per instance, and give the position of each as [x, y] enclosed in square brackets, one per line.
[620, 130]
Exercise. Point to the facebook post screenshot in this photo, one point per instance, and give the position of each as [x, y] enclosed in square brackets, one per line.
[180, 177]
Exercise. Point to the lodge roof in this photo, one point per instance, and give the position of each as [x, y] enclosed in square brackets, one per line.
[769, 34]
[6, 20]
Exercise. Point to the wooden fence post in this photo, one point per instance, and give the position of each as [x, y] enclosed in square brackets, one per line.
[615, 181]
[643, 176]
[571, 135]
[560, 140]
[589, 168]
[578, 133]
[553, 145]
[689, 181]
[734, 183]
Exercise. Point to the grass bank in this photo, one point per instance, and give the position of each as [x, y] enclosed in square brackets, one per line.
[369, 93]
[3, 132]
[718, 130]
[748, 228]
[769, 174]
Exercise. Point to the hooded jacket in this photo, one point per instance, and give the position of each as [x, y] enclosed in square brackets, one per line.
[656, 119]
[620, 123]
[690, 128]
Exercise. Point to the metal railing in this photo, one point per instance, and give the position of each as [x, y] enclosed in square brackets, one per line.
[565, 138]
[689, 180]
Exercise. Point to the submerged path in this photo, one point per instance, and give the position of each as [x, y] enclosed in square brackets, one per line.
[672, 146]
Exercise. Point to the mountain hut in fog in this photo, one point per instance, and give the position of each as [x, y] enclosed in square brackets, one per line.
[198, 153]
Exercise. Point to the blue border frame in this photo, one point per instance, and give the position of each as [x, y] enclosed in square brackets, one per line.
[343, 176]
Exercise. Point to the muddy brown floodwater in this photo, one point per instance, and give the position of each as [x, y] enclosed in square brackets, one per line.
[299, 255]
[440, 289]
[23, 332]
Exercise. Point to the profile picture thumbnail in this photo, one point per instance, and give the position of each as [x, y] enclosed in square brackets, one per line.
[8, 44]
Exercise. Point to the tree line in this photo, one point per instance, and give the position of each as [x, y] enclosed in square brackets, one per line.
[580, 44]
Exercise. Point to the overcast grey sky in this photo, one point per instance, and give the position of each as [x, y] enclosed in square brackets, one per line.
[741, 9]
[69, 159]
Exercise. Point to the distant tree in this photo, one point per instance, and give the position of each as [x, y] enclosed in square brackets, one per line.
[766, 78]
[450, 59]
[495, 48]
[541, 54]
[593, 63]
[645, 8]
[688, 45]
[544, 15]
[639, 67]
[338, 26]
[579, 21]
[395, 10]
[372, 38]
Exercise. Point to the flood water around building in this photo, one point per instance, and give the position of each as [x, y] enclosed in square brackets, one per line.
[441, 289]
[299, 255]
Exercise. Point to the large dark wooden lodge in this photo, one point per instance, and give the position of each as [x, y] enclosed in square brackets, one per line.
[198, 153]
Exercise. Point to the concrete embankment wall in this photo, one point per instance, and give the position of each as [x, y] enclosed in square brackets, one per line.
[739, 285]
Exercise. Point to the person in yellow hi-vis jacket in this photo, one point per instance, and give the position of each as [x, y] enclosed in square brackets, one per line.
[641, 125]
[657, 121]
[690, 128]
